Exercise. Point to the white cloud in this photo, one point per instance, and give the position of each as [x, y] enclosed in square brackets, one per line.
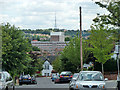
[40, 13]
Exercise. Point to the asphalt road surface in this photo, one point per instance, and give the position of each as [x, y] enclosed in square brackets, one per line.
[47, 83]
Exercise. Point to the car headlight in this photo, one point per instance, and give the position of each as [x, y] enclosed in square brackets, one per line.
[102, 86]
[78, 86]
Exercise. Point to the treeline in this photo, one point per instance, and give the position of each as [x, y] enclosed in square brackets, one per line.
[70, 33]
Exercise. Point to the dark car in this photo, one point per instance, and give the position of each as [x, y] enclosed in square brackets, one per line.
[6, 81]
[65, 76]
[72, 82]
[25, 79]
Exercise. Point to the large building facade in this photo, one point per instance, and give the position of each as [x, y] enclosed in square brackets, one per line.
[57, 36]
[56, 43]
[52, 47]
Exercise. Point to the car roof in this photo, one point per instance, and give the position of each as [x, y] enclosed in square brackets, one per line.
[91, 71]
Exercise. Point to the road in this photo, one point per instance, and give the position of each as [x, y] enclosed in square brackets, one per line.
[47, 83]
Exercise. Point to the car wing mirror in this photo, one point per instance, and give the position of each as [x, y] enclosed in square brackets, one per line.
[106, 79]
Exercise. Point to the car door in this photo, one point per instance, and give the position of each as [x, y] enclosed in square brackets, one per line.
[9, 81]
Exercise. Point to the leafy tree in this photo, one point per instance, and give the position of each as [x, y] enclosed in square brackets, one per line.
[71, 54]
[101, 43]
[113, 18]
[67, 39]
[57, 65]
[36, 63]
[14, 49]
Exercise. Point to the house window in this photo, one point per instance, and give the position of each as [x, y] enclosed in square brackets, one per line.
[46, 67]
[46, 74]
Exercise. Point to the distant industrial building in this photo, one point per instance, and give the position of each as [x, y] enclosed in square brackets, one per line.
[57, 36]
[54, 46]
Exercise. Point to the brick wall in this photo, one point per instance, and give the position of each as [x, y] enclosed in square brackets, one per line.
[111, 76]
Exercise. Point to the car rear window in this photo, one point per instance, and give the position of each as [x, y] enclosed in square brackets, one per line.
[25, 76]
[66, 73]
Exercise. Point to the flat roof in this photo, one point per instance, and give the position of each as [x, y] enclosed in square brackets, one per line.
[57, 33]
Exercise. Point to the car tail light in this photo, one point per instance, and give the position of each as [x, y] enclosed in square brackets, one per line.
[61, 76]
[71, 76]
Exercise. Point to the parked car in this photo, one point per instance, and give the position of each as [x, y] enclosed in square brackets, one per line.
[25, 79]
[64, 76]
[90, 79]
[73, 81]
[57, 80]
[54, 76]
[6, 81]
[33, 79]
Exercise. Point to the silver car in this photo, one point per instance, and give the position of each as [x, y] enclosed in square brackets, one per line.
[73, 81]
[90, 80]
[6, 81]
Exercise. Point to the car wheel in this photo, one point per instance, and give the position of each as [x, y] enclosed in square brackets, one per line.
[71, 89]
[20, 83]
[55, 82]
[6, 88]
[13, 88]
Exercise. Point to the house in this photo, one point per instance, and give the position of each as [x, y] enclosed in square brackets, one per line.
[47, 68]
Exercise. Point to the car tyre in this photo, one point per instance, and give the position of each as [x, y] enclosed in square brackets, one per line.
[6, 88]
[20, 83]
[13, 88]
[55, 82]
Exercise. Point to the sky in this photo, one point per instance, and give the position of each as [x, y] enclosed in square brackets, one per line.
[40, 14]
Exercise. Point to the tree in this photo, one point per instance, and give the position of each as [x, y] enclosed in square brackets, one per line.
[67, 39]
[107, 1]
[57, 65]
[101, 43]
[70, 56]
[113, 18]
[14, 50]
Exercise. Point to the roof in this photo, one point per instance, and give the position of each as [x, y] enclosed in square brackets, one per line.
[57, 33]
[90, 71]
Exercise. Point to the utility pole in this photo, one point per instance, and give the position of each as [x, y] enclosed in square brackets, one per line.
[81, 40]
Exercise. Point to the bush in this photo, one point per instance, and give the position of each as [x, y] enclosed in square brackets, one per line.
[109, 66]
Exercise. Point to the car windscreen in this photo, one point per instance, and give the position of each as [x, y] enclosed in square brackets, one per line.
[54, 74]
[91, 76]
[75, 75]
